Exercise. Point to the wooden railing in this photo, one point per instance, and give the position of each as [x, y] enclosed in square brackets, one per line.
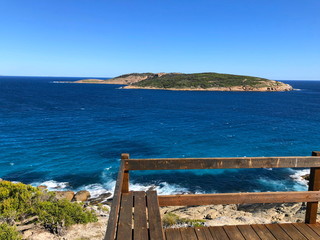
[312, 196]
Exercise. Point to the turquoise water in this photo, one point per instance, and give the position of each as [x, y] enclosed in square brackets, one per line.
[71, 135]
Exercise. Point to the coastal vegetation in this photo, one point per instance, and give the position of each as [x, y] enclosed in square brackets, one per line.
[208, 81]
[21, 203]
[171, 219]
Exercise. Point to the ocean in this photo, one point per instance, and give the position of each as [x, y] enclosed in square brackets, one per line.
[70, 136]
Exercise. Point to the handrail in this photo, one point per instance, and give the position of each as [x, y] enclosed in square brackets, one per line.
[222, 163]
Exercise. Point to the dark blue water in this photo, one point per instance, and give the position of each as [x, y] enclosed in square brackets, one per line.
[72, 135]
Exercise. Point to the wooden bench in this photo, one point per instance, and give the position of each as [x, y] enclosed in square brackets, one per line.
[139, 216]
[136, 215]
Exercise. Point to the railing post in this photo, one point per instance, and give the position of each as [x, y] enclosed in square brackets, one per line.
[314, 185]
[125, 184]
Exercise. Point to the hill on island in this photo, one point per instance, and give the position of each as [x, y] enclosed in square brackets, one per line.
[194, 82]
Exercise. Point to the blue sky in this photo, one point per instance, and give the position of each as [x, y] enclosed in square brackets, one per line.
[277, 39]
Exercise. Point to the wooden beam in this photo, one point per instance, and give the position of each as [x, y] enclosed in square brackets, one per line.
[219, 163]
[238, 198]
[114, 212]
[126, 177]
[314, 185]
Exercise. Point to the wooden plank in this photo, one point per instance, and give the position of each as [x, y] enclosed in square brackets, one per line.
[140, 230]
[125, 185]
[277, 232]
[315, 228]
[314, 185]
[218, 233]
[219, 163]
[238, 198]
[203, 233]
[233, 233]
[292, 231]
[114, 212]
[173, 234]
[188, 233]
[155, 224]
[306, 231]
[263, 232]
[125, 217]
[248, 232]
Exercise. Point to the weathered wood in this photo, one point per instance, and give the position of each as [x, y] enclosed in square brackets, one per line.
[125, 185]
[315, 228]
[314, 185]
[188, 234]
[140, 216]
[292, 231]
[248, 232]
[233, 232]
[155, 224]
[238, 198]
[218, 233]
[203, 233]
[277, 232]
[219, 163]
[173, 234]
[306, 231]
[125, 217]
[263, 232]
[114, 213]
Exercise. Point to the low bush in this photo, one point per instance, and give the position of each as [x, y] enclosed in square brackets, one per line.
[171, 219]
[19, 201]
[8, 232]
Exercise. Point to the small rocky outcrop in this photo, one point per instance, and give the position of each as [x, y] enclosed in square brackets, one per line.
[64, 195]
[81, 196]
[102, 198]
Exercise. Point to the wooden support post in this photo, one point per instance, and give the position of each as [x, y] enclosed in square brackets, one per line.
[314, 185]
[125, 185]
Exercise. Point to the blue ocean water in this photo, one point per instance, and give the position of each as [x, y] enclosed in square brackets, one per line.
[72, 135]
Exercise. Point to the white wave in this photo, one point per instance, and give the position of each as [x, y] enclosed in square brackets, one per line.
[95, 189]
[298, 176]
[54, 185]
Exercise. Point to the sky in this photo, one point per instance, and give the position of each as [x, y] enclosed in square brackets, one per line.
[276, 39]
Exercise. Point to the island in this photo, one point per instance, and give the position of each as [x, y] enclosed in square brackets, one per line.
[209, 81]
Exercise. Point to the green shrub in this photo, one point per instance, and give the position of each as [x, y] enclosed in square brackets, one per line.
[170, 219]
[8, 232]
[19, 201]
[63, 213]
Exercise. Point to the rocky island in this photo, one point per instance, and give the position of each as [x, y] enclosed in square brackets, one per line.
[193, 82]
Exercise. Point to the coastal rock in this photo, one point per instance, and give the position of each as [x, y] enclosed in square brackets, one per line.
[102, 198]
[64, 195]
[81, 196]
[42, 187]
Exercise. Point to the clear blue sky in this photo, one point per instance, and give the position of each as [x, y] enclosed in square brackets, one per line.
[278, 39]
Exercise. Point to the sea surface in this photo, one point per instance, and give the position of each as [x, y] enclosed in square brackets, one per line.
[70, 136]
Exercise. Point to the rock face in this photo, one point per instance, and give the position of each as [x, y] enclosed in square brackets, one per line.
[64, 195]
[81, 196]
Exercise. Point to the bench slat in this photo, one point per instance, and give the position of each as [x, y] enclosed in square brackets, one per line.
[263, 232]
[277, 231]
[173, 234]
[125, 218]
[140, 230]
[155, 224]
[218, 233]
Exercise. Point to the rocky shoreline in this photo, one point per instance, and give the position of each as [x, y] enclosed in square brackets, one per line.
[222, 89]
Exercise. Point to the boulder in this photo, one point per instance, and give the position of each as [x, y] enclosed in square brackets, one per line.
[42, 187]
[81, 196]
[64, 195]
[102, 198]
